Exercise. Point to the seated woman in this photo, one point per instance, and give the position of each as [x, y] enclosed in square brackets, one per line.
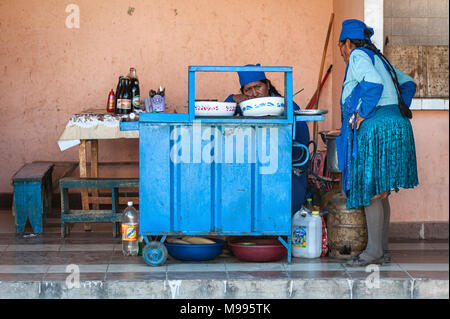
[255, 84]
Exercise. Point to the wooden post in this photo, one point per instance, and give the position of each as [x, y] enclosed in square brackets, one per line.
[94, 168]
[324, 53]
[83, 173]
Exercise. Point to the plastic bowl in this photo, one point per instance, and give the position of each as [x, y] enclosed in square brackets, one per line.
[195, 252]
[213, 108]
[258, 249]
[263, 106]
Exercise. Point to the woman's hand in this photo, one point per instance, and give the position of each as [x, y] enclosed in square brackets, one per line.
[240, 97]
[358, 120]
[382, 195]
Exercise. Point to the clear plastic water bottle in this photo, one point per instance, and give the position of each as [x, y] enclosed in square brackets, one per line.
[130, 222]
[306, 234]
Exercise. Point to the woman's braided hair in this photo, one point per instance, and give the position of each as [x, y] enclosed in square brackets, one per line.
[404, 109]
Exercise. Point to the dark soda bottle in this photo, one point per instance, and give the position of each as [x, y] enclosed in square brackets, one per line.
[126, 97]
[117, 105]
[135, 92]
[118, 108]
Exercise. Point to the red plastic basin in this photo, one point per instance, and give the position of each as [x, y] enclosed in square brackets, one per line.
[258, 249]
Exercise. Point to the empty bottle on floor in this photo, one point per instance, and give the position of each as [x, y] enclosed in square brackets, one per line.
[306, 234]
[130, 221]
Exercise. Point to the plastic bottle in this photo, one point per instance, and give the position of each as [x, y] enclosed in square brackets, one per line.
[130, 221]
[306, 234]
[309, 204]
[110, 104]
[140, 244]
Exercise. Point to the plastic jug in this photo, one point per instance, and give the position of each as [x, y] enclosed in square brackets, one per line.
[306, 234]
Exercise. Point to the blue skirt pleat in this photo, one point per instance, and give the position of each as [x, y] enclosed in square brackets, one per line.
[386, 157]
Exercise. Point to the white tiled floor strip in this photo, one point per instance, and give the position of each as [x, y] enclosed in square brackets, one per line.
[297, 265]
[418, 246]
[424, 267]
[217, 267]
[108, 247]
[23, 269]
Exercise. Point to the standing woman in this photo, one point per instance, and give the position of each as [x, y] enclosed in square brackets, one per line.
[376, 151]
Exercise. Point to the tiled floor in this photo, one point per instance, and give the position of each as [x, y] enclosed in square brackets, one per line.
[50, 258]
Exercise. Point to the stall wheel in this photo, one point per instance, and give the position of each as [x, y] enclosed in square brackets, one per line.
[155, 253]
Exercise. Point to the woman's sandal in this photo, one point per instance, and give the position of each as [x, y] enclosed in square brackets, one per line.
[387, 257]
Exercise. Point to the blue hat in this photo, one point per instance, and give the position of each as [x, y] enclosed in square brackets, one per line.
[246, 77]
[354, 29]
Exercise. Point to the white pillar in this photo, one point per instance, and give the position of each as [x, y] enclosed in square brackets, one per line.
[373, 17]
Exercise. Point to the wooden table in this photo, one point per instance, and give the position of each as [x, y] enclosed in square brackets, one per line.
[86, 128]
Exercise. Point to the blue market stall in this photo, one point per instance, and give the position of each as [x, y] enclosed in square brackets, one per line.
[215, 175]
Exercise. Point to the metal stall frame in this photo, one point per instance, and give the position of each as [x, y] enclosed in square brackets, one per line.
[155, 252]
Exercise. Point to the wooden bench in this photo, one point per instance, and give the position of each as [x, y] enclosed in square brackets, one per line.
[93, 215]
[32, 195]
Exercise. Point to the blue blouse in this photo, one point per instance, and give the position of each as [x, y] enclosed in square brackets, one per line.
[377, 88]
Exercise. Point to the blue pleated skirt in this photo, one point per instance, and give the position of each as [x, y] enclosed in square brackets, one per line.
[386, 157]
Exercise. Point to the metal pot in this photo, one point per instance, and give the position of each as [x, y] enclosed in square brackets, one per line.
[329, 138]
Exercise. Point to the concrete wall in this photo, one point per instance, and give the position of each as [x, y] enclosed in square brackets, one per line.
[343, 10]
[50, 72]
[416, 22]
[429, 201]
[416, 32]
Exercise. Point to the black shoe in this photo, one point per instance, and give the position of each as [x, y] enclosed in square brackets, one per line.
[387, 257]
